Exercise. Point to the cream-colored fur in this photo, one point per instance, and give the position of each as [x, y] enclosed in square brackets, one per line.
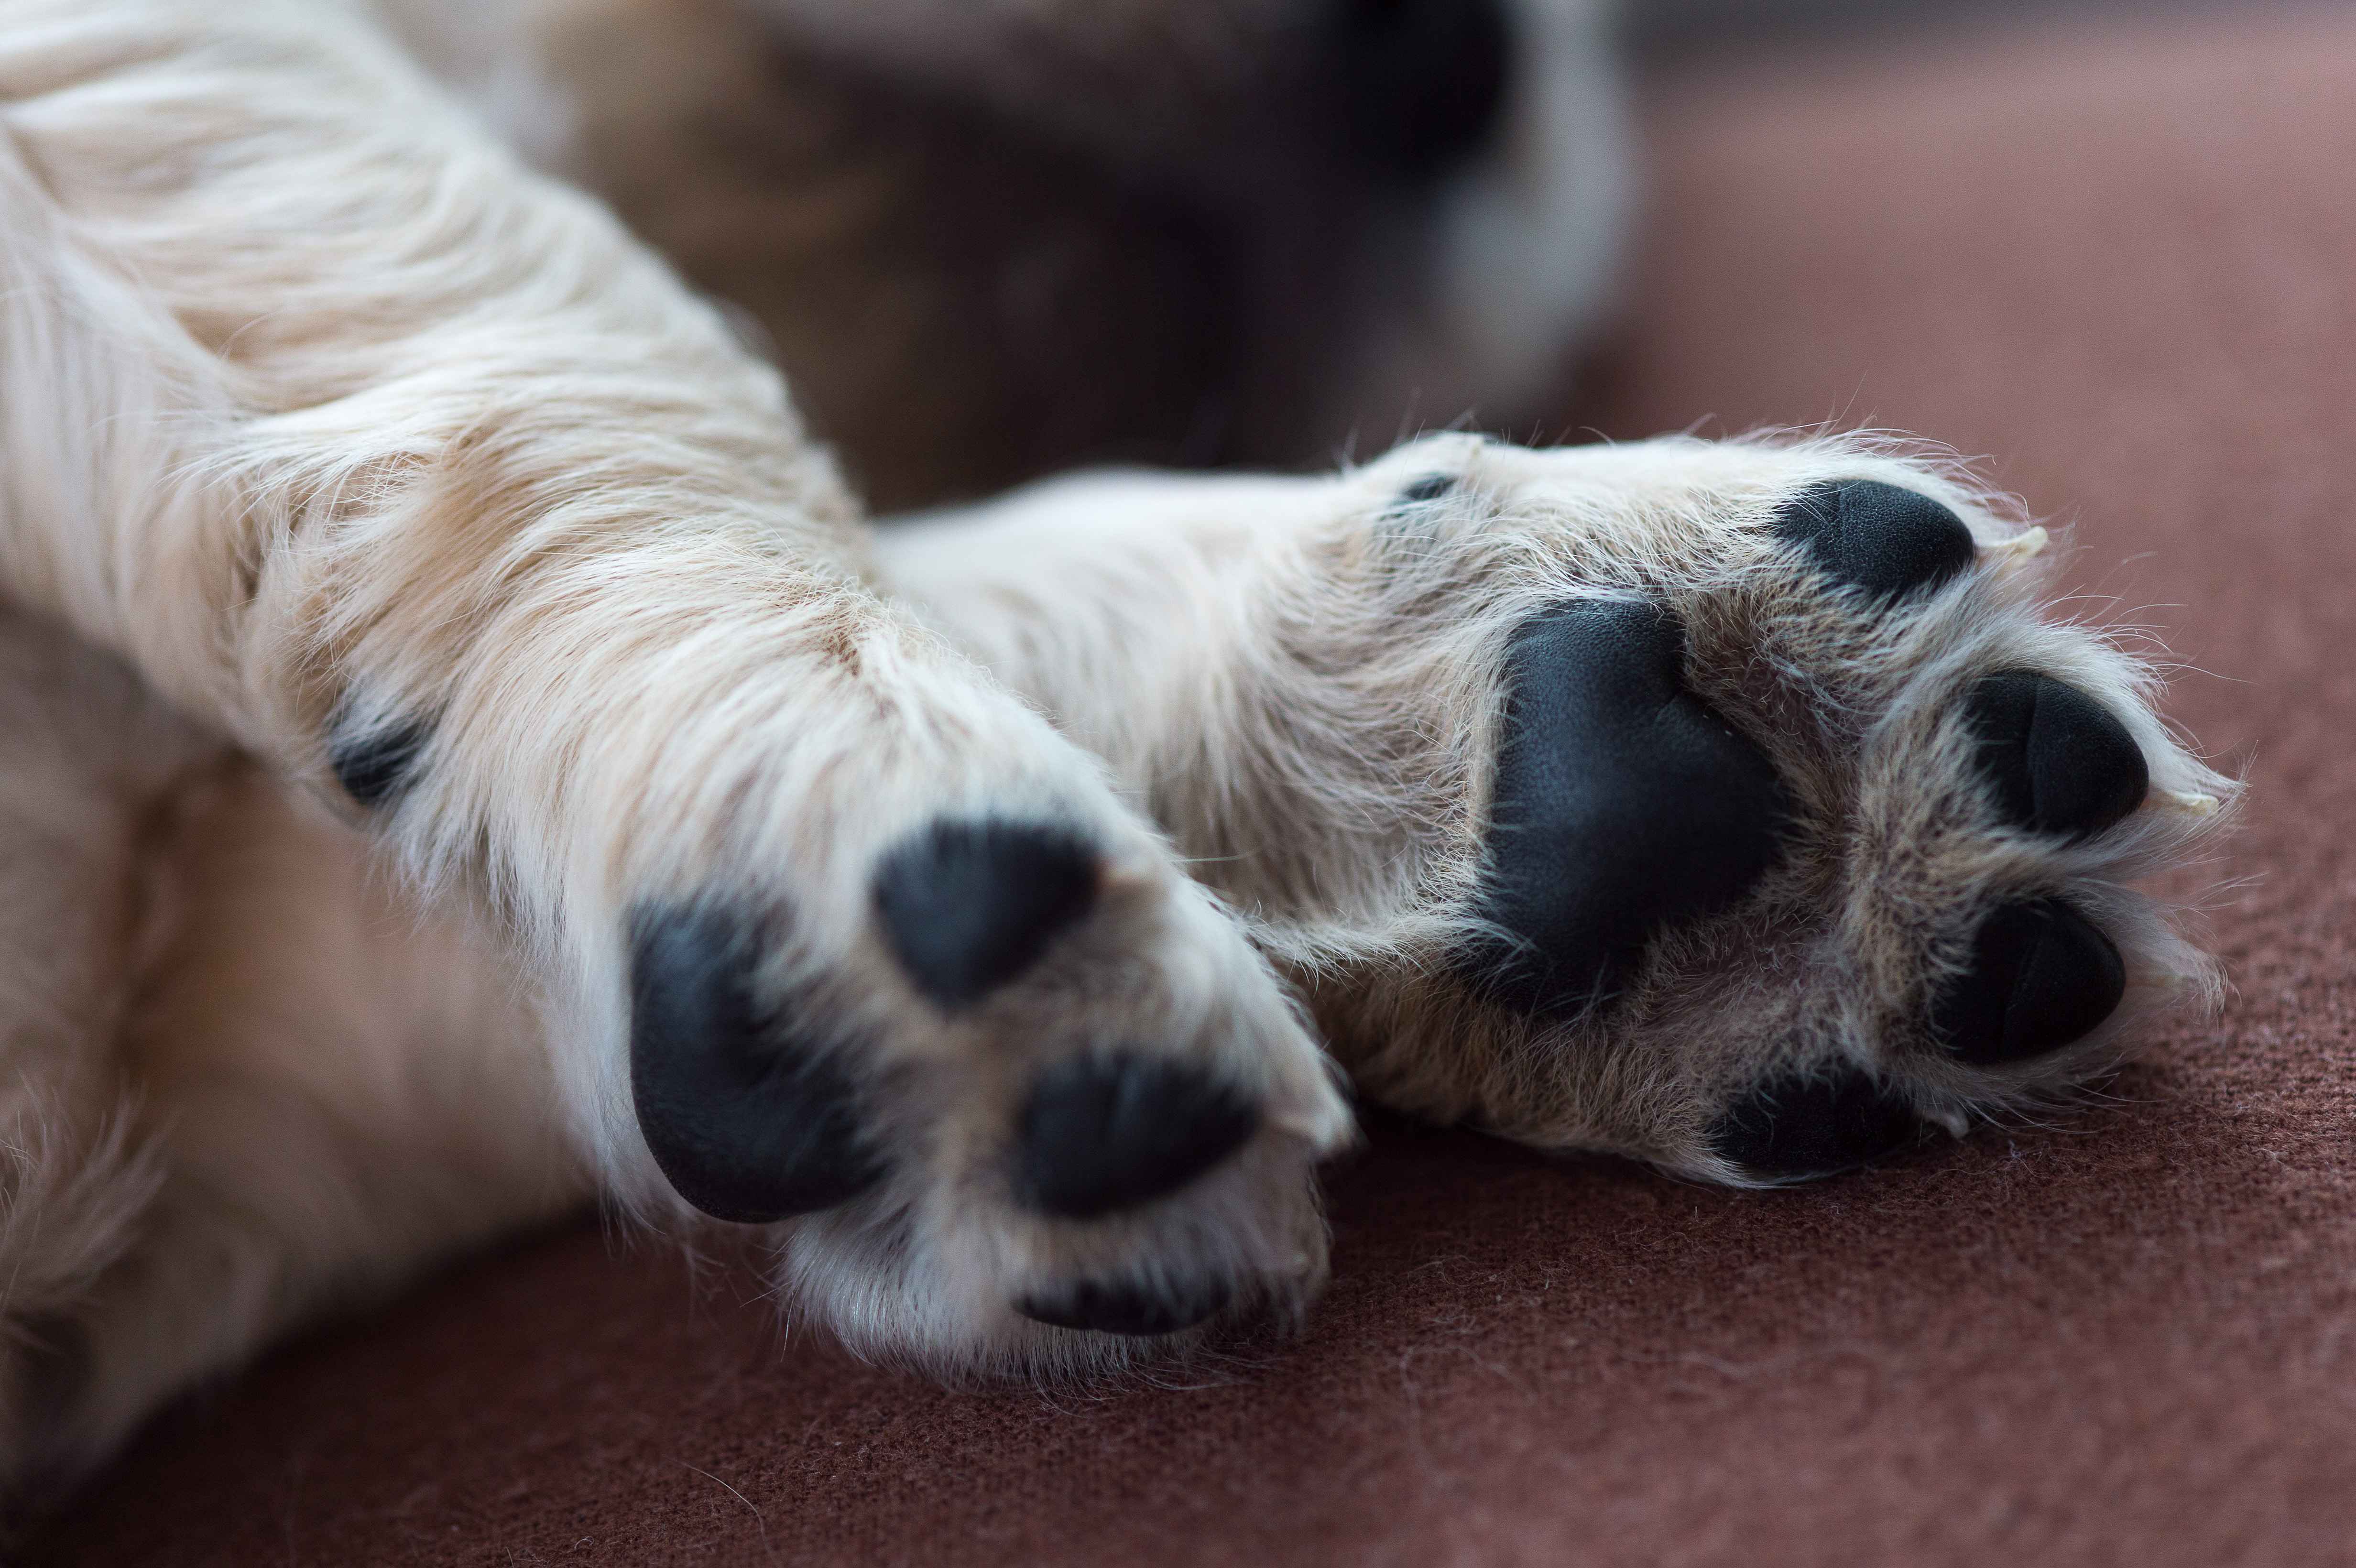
[323, 414]
[325, 421]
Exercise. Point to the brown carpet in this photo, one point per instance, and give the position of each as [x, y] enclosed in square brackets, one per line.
[2125, 262]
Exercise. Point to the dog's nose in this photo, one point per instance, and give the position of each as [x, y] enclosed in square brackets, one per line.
[1424, 81]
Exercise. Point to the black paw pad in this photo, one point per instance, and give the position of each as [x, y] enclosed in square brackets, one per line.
[2059, 760]
[746, 1116]
[1103, 1134]
[967, 906]
[375, 763]
[1426, 490]
[1127, 1308]
[1878, 538]
[2042, 976]
[1623, 804]
[1797, 1127]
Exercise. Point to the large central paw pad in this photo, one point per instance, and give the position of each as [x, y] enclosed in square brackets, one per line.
[1623, 804]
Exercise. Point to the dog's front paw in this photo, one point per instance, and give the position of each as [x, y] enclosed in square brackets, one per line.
[856, 947]
[1734, 807]
[1038, 1092]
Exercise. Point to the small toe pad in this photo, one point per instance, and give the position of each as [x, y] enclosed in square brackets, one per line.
[2042, 976]
[1623, 804]
[1126, 1306]
[1797, 1127]
[1100, 1133]
[377, 766]
[748, 1122]
[2059, 760]
[968, 905]
[1884, 539]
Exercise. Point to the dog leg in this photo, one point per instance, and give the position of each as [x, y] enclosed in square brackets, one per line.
[1736, 806]
[332, 1087]
[89, 755]
[407, 471]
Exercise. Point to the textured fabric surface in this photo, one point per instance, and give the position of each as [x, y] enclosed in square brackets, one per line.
[2124, 263]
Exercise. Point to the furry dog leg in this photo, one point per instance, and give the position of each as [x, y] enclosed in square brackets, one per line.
[411, 473]
[1737, 807]
[89, 754]
[330, 1086]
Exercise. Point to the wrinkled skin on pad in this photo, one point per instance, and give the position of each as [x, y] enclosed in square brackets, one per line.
[1623, 804]
[2042, 976]
[2055, 760]
[1884, 540]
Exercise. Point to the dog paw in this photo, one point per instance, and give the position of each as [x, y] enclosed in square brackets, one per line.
[1737, 807]
[1044, 1104]
[1043, 1107]
[1771, 818]
[859, 951]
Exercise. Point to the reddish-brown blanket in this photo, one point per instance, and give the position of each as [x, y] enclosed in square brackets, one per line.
[2123, 262]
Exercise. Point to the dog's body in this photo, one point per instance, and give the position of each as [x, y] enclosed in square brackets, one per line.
[985, 241]
[468, 753]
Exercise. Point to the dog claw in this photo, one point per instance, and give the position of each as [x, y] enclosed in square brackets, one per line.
[2020, 549]
[2185, 803]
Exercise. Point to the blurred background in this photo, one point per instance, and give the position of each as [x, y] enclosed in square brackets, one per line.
[1662, 32]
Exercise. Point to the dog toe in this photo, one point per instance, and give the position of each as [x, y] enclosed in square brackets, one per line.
[2057, 759]
[750, 1120]
[1101, 1134]
[968, 906]
[1882, 538]
[1796, 1127]
[1128, 1308]
[2042, 976]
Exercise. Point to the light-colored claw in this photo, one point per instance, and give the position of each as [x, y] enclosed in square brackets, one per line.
[2184, 802]
[2024, 546]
